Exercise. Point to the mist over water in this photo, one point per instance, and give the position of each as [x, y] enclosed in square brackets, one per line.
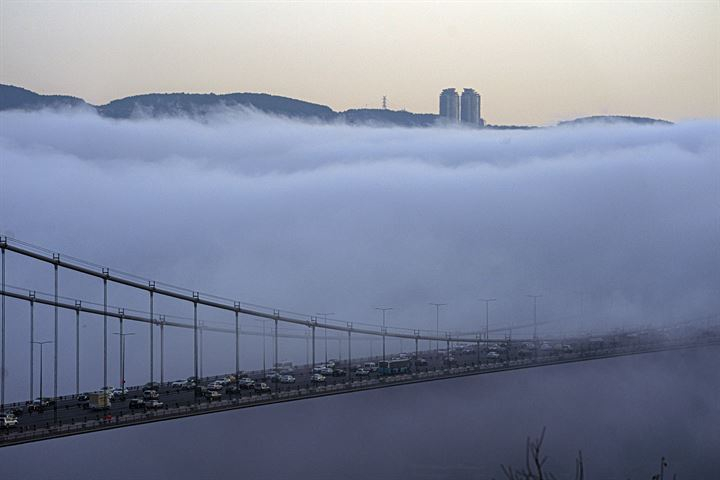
[615, 225]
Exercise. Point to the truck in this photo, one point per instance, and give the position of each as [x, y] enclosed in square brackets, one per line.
[394, 366]
[99, 401]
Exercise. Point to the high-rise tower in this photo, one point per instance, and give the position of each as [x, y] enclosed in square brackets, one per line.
[470, 107]
[450, 105]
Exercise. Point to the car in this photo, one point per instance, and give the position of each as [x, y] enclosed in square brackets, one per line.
[154, 404]
[273, 377]
[17, 411]
[151, 386]
[151, 395]
[421, 362]
[83, 400]
[246, 383]
[188, 386]
[287, 379]
[38, 405]
[450, 361]
[234, 388]
[317, 378]
[546, 347]
[338, 372]
[492, 355]
[7, 420]
[215, 386]
[567, 349]
[44, 402]
[261, 387]
[331, 363]
[326, 371]
[371, 366]
[179, 384]
[213, 395]
[362, 372]
[119, 394]
[137, 403]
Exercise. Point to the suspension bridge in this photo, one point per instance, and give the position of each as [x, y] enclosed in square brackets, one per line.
[67, 412]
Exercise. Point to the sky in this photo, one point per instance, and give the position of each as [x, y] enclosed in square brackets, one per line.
[532, 62]
[616, 226]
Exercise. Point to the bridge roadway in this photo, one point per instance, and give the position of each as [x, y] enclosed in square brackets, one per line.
[73, 419]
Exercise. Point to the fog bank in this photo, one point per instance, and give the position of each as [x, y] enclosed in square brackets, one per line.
[615, 225]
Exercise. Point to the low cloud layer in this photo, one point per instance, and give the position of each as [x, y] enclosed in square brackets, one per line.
[615, 225]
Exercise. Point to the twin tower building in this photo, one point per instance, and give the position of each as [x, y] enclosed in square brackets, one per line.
[463, 109]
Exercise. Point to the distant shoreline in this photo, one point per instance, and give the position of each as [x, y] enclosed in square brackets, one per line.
[200, 105]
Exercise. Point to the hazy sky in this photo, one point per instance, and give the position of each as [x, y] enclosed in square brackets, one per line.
[533, 62]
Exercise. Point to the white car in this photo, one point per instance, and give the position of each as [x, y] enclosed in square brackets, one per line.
[361, 372]
[370, 366]
[246, 382]
[261, 387]
[215, 386]
[179, 383]
[493, 355]
[8, 420]
[154, 404]
[287, 379]
[317, 378]
[151, 395]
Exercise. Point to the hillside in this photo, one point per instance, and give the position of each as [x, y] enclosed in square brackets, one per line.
[614, 119]
[195, 104]
[16, 98]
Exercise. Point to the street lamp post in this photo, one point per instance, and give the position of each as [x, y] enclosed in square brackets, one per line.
[487, 315]
[325, 317]
[534, 297]
[42, 344]
[384, 330]
[122, 359]
[437, 325]
[31, 294]
[162, 349]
